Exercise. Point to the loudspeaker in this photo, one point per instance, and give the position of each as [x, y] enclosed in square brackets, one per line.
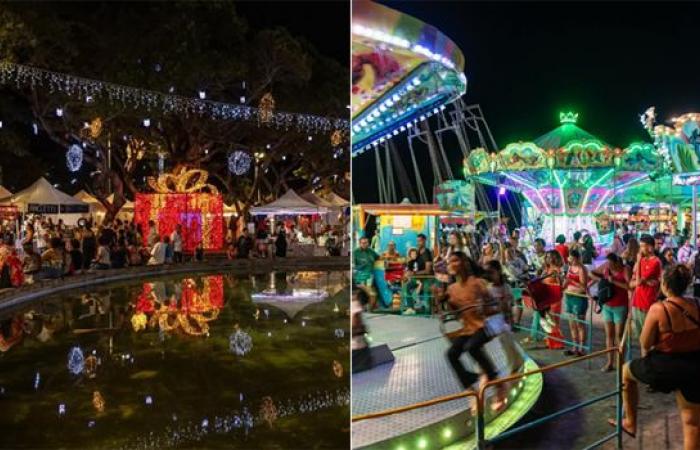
[367, 358]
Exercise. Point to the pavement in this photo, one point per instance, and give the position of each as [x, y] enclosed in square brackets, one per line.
[659, 426]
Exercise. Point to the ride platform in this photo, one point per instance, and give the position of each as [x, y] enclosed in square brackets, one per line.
[419, 373]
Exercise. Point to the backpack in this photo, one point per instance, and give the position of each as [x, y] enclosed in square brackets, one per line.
[605, 293]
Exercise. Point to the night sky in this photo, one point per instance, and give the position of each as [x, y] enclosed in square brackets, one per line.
[328, 31]
[525, 62]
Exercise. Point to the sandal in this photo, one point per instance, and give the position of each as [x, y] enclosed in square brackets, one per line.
[613, 423]
[607, 368]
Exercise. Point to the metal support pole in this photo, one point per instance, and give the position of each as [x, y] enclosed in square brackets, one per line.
[695, 216]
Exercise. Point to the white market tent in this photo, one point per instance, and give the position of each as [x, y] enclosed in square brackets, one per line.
[316, 200]
[336, 200]
[42, 198]
[4, 192]
[289, 204]
[98, 209]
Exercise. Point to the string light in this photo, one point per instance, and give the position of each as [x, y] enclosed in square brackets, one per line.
[84, 88]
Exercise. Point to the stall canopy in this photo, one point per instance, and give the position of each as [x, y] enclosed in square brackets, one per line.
[4, 192]
[288, 205]
[336, 200]
[97, 207]
[42, 198]
[316, 200]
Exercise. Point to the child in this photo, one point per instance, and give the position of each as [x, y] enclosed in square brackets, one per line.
[413, 286]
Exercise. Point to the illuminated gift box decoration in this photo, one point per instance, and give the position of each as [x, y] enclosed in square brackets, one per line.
[182, 198]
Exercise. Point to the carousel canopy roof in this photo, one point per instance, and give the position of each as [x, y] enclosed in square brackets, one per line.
[288, 204]
[568, 170]
[565, 134]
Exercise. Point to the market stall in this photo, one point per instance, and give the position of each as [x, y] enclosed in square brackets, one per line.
[97, 209]
[291, 206]
[41, 198]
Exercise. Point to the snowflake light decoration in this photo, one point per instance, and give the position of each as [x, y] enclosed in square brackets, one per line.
[74, 158]
[240, 342]
[239, 162]
[76, 361]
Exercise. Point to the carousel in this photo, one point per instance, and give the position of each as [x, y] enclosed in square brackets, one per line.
[568, 176]
[402, 70]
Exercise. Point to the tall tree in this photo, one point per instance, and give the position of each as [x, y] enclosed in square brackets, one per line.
[181, 48]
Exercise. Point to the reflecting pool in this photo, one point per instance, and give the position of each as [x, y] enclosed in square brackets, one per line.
[210, 361]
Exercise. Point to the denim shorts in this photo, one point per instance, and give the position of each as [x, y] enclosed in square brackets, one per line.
[614, 314]
[575, 304]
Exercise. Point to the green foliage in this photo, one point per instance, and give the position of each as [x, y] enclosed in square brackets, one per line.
[185, 47]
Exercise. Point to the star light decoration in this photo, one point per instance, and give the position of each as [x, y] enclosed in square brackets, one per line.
[239, 162]
[240, 342]
[74, 158]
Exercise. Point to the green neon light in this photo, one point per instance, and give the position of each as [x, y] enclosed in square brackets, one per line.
[568, 117]
[588, 191]
[561, 190]
[447, 433]
[526, 184]
[422, 443]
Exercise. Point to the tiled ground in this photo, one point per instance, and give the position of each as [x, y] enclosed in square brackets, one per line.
[420, 372]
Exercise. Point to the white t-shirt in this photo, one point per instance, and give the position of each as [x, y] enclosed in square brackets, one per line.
[102, 256]
[157, 254]
[176, 241]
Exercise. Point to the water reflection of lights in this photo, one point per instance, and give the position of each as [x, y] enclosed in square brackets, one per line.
[190, 311]
[240, 342]
[185, 433]
[337, 369]
[76, 361]
[98, 402]
[339, 333]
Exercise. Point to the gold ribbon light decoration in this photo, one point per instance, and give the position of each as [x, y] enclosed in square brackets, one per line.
[266, 108]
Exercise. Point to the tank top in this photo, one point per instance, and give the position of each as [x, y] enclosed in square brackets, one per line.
[687, 340]
[620, 296]
[574, 278]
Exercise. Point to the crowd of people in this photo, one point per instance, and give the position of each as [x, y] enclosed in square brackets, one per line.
[45, 249]
[645, 283]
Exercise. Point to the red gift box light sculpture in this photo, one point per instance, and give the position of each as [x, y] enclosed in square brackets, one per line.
[183, 197]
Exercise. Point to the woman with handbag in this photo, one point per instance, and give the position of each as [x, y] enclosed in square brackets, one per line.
[670, 361]
[470, 294]
[615, 307]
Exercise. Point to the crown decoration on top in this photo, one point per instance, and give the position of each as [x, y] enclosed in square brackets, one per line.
[568, 117]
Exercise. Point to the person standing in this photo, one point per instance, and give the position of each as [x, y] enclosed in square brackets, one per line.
[176, 242]
[425, 256]
[281, 243]
[363, 259]
[670, 342]
[244, 245]
[576, 301]
[615, 309]
[645, 282]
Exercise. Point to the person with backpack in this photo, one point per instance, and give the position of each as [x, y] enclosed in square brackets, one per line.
[670, 361]
[613, 294]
